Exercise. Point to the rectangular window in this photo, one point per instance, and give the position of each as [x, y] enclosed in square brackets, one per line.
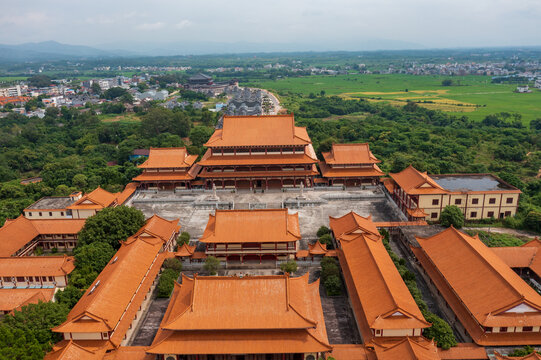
[29, 214]
[433, 215]
[435, 202]
[492, 201]
[503, 329]
[20, 279]
[473, 214]
[458, 201]
[61, 213]
[51, 278]
[508, 213]
[50, 213]
[475, 201]
[7, 279]
[40, 214]
[490, 214]
[43, 278]
[509, 200]
[488, 329]
[31, 278]
[527, 328]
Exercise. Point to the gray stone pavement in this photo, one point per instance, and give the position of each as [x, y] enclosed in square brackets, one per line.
[151, 322]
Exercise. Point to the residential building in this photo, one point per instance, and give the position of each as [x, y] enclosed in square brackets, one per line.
[35, 271]
[21, 236]
[52, 207]
[350, 165]
[259, 152]
[493, 304]
[14, 299]
[106, 313]
[253, 317]
[11, 91]
[168, 168]
[381, 302]
[252, 235]
[523, 89]
[479, 196]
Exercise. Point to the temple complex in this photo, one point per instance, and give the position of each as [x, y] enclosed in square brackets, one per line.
[350, 165]
[259, 152]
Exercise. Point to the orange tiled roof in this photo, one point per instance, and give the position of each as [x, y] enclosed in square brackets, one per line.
[317, 248]
[164, 176]
[464, 351]
[408, 349]
[516, 256]
[129, 353]
[329, 172]
[350, 352]
[168, 158]
[469, 295]
[36, 265]
[262, 314]
[414, 182]
[380, 298]
[14, 299]
[157, 227]
[266, 130]
[242, 226]
[342, 154]
[417, 213]
[71, 350]
[15, 234]
[533, 356]
[302, 254]
[351, 225]
[286, 159]
[13, 99]
[254, 174]
[130, 273]
[97, 199]
[126, 193]
[185, 250]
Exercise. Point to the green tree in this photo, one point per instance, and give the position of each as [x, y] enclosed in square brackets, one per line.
[333, 285]
[95, 88]
[94, 255]
[80, 181]
[327, 240]
[183, 238]
[69, 296]
[322, 231]
[452, 215]
[166, 284]
[39, 80]
[173, 263]
[533, 221]
[447, 82]
[114, 92]
[200, 134]
[212, 265]
[440, 331]
[289, 266]
[111, 225]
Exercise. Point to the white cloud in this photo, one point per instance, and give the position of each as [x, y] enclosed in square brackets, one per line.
[151, 26]
[183, 24]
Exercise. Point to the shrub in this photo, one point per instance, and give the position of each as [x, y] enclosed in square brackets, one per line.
[166, 283]
[333, 285]
[173, 263]
[440, 331]
[329, 270]
[322, 231]
[184, 238]
[212, 265]
[327, 240]
[289, 267]
[452, 215]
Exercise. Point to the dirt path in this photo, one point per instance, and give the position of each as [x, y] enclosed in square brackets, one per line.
[498, 230]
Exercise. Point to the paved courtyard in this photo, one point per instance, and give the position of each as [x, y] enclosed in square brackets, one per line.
[193, 208]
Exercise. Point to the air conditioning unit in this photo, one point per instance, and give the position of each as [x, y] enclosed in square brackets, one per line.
[170, 357]
[310, 356]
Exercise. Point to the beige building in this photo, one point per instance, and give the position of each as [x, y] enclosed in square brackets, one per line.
[479, 196]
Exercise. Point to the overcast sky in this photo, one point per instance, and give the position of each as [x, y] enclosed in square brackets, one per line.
[428, 23]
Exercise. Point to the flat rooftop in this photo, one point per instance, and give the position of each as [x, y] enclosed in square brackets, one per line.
[52, 202]
[467, 182]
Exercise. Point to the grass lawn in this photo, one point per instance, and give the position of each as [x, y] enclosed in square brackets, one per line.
[475, 97]
[123, 118]
[498, 240]
[12, 78]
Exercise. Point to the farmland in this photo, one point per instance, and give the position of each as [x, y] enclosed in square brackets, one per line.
[474, 96]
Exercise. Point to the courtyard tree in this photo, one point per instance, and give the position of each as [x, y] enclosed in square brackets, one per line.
[322, 231]
[333, 285]
[452, 215]
[289, 266]
[183, 238]
[212, 265]
[111, 225]
[327, 240]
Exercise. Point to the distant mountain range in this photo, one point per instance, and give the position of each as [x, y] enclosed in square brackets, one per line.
[52, 50]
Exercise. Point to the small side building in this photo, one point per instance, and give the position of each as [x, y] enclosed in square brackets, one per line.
[168, 169]
[252, 235]
[15, 299]
[35, 271]
[350, 165]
